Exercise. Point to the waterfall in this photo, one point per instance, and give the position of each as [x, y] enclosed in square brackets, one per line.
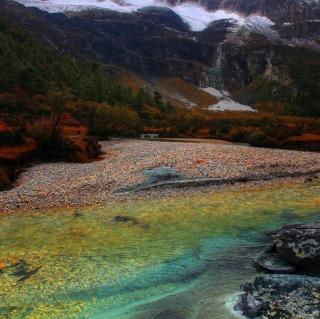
[215, 72]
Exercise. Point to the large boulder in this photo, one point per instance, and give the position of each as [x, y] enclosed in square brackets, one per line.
[280, 297]
[300, 245]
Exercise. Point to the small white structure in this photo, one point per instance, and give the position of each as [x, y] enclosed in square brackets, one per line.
[149, 136]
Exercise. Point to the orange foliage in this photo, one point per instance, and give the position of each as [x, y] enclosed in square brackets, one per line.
[74, 130]
[149, 129]
[307, 137]
[15, 152]
[4, 127]
[177, 86]
[202, 133]
[133, 81]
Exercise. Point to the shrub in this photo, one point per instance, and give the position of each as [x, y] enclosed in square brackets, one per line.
[56, 147]
[11, 138]
[6, 178]
[257, 138]
[237, 134]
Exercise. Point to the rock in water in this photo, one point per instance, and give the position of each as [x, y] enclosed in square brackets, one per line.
[300, 245]
[274, 263]
[251, 306]
[281, 297]
[124, 219]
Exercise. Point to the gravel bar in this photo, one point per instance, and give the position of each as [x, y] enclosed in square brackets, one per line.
[54, 185]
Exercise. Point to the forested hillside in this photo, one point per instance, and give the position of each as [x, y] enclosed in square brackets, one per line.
[29, 70]
[51, 104]
[54, 105]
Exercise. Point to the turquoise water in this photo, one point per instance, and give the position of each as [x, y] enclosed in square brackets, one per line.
[168, 259]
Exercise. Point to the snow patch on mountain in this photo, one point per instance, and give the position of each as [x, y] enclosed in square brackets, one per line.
[230, 105]
[219, 94]
[225, 103]
[196, 16]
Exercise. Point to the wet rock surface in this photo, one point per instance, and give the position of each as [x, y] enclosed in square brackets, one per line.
[281, 296]
[300, 245]
[273, 263]
[296, 248]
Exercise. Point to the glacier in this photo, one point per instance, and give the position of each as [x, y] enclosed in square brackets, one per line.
[196, 16]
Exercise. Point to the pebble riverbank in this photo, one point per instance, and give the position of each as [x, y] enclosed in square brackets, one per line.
[74, 185]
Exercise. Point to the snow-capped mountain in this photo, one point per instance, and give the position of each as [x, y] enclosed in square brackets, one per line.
[224, 44]
[277, 10]
[294, 20]
[195, 15]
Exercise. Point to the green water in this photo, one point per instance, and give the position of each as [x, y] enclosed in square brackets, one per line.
[176, 259]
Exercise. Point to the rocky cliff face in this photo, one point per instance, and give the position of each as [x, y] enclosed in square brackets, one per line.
[151, 42]
[156, 41]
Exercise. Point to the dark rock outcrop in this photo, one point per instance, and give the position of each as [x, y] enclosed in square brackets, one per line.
[300, 245]
[251, 306]
[280, 297]
[286, 296]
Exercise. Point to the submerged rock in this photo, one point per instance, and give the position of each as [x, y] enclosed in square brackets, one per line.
[5, 312]
[125, 219]
[122, 219]
[77, 214]
[170, 314]
[280, 297]
[22, 271]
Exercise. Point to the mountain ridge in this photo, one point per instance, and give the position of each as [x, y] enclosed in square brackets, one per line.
[156, 42]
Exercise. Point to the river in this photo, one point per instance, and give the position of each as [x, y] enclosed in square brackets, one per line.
[179, 258]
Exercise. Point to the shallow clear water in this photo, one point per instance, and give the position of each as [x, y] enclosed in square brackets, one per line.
[171, 259]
